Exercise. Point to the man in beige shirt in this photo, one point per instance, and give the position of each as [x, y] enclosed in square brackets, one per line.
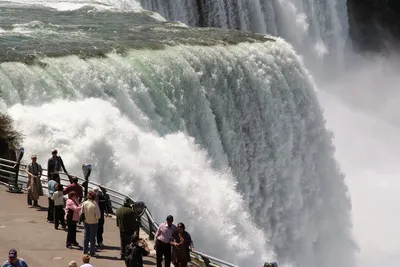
[91, 212]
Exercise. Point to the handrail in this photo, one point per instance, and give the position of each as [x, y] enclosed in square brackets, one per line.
[148, 224]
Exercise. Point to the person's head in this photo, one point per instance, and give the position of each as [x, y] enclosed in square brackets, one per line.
[72, 195]
[12, 256]
[34, 158]
[72, 264]
[181, 227]
[54, 152]
[134, 238]
[74, 179]
[127, 202]
[91, 195]
[170, 220]
[86, 258]
[59, 187]
[97, 190]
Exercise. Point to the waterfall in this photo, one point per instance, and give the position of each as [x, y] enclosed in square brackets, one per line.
[229, 139]
[317, 29]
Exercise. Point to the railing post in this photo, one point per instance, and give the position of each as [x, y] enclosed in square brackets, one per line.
[14, 188]
[87, 170]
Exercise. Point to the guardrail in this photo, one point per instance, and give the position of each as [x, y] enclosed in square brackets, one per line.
[12, 173]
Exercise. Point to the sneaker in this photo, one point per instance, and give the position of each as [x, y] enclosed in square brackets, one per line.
[76, 244]
[69, 246]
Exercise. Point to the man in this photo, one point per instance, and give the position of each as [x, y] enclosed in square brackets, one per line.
[91, 212]
[54, 165]
[163, 238]
[127, 222]
[135, 251]
[35, 190]
[101, 201]
[74, 186]
[13, 260]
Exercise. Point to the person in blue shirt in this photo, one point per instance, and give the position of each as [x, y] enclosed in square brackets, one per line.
[51, 188]
[13, 260]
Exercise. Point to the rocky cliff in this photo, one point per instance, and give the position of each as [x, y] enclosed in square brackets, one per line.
[374, 24]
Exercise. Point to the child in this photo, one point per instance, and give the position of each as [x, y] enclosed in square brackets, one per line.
[59, 213]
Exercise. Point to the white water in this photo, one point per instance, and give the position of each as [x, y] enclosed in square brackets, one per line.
[170, 173]
[250, 105]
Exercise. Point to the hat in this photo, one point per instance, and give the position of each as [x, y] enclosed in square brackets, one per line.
[72, 264]
[96, 189]
[12, 253]
[54, 151]
[33, 157]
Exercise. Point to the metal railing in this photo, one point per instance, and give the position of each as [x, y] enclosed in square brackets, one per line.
[12, 173]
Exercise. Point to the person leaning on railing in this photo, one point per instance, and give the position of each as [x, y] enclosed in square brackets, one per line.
[54, 166]
[127, 223]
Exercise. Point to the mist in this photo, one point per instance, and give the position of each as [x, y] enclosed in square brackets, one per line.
[361, 109]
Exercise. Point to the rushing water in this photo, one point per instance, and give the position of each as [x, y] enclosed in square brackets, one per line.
[219, 127]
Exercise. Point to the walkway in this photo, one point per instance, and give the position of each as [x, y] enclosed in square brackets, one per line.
[41, 245]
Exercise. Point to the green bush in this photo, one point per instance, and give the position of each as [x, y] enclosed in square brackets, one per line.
[10, 138]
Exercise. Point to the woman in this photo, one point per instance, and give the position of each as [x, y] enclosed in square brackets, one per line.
[182, 244]
[91, 215]
[72, 210]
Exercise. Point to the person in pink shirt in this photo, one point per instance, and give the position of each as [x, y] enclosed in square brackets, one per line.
[163, 241]
[72, 214]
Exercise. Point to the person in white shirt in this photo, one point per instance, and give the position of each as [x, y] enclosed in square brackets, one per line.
[59, 213]
[91, 213]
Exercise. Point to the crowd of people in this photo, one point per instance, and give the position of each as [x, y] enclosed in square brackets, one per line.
[172, 243]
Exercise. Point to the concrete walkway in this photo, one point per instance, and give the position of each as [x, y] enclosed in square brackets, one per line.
[36, 241]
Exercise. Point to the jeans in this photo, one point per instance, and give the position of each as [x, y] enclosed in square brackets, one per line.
[100, 231]
[71, 235]
[59, 214]
[163, 249]
[90, 237]
[50, 211]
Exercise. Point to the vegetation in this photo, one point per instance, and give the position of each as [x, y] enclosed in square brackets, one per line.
[10, 138]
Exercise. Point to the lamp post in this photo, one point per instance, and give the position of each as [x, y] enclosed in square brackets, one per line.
[87, 170]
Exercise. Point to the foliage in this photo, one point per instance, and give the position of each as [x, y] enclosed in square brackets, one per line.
[9, 136]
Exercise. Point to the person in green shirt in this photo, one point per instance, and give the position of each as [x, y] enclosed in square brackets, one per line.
[128, 224]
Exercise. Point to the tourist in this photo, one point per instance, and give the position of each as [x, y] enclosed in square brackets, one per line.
[54, 166]
[127, 222]
[182, 244]
[163, 238]
[72, 264]
[59, 213]
[13, 260]
[135, 251]
[74, 186]
[72, 210]
[35, 190]
[101, 201]
[91, 215]
[86, 261]
[51, 188]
